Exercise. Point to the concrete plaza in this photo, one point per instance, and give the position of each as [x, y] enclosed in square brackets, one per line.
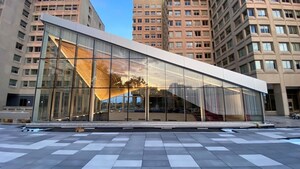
[240, 149]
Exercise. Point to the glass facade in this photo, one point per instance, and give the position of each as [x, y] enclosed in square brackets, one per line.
[86, 79]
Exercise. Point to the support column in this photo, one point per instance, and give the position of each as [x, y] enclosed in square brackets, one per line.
[281, 100]
[92, 105]
[147, 104]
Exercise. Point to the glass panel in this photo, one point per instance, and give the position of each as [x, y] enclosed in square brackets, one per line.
[52, 47]
[81, 104]
[48, 72]
[44, 104]
[101, 104]
[233, 103]
[85, 48]
[193, 79]
[156, 73]
[174, 76]
[64, 73]
[137, 104]
[157, 104]
[193, 98]
[175, 104]
[102, 73]
[253, 107]
[68, 45]
[102, 50]
[118, 105]
[214, 99]
[135, 55]
[61, 102]
[119, 72]
[83, 73]
[119, 52]
[138, 72]
[53, 30]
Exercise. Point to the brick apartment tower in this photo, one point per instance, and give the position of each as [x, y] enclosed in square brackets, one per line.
[261, 39]
[21, 40]
[178, 26]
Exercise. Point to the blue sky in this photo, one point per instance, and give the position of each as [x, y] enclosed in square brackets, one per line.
[116, 15]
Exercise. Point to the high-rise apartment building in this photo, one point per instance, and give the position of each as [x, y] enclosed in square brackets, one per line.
[178, 26]
[21, 40]
[261, 39]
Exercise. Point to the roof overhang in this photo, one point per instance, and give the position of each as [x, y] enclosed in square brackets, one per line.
[198, 66]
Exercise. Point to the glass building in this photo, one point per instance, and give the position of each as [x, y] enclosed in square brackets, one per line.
[89, 75]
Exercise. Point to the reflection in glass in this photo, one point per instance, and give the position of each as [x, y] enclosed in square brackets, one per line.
[136, 110]
[62, 98]
[214, 99]
[157, 104]
[156, 73]
[138, 73]
[175, 104]
[253, 107]
[101, 105]
[119, 72]
[192, 104]
[118, 106]
[233, 103]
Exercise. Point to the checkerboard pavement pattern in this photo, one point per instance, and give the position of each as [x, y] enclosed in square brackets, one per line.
[238, 149]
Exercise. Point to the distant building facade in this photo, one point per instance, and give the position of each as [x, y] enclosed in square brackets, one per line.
[178, 26]
[21, 40]
[261, 39]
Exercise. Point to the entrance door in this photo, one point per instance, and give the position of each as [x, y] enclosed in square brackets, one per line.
[291, 105]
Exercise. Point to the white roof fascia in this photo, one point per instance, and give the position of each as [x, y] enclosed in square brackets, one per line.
[198, 66]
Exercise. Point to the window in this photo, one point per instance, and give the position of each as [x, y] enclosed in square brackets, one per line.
[189, 33]
[178, 34]
[261, 12]
[190, 55]
[267, 46]
[19, 46]
[253, 29]
[297, 64]
[196, 12]
[244, 69]
[293, 30]
[242, 52]
[23, 24]
[25, 13]
[264, 29]
[198, 55]
[283, 47]
[287, 64]
[177, 2]
[280, 29]
[15, 70]
[188, 23]
[178, 44]
[178, 23]
[255, 65]
[13, 82]
[198, 44]
[288, 13]
[188, 12]
[250, 12]
[255, 46]
[270, 65]
[187, 2]
[276, 13]
[197, 33]
[21, 35]
[25, 83]
[296, 47]
[189, 45]
[17, 58]
[207, 55]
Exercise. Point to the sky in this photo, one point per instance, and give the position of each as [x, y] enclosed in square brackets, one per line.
[116, 16]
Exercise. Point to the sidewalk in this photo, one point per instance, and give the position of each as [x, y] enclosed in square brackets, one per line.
[282, 121]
